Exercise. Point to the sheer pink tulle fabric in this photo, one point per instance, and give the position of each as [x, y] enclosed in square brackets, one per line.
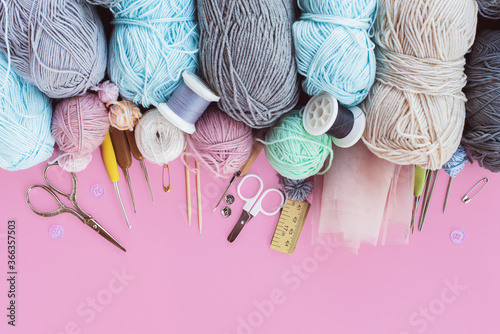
[363, 199]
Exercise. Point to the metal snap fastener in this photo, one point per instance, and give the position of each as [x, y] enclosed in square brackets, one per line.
[226, 212]
[229, 199]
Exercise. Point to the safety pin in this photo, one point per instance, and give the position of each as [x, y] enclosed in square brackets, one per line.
[466, 199]
[166, 189]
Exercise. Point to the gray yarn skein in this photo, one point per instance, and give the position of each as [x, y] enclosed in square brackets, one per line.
[247, 57]
[57, 45]
[482, 124]
[489, 8]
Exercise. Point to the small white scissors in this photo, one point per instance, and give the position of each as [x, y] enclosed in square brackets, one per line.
[253, 205]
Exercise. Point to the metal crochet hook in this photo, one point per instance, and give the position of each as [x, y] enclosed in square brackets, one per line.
[466, 199]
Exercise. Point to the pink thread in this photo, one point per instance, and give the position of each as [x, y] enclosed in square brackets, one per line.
[79, 126]
[220, 143]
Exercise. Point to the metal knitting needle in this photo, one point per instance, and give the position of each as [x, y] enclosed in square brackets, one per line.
[447, 194]
[235, 175]
[425, 208]
[138, 156]
[425, 191]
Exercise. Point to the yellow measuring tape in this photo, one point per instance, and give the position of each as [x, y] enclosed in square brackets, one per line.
[287, 232]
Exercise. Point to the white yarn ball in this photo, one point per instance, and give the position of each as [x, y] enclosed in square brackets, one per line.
[159, 140]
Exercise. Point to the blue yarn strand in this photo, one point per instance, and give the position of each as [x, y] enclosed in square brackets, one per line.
[153, 42]
[457, 162]
[333, 48]
[25, 119]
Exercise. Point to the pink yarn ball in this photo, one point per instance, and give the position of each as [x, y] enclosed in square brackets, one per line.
[220, 143]
[79, 126]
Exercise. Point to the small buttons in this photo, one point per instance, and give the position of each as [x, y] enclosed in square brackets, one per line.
[97, 191]
[457, 236]
[56, 232]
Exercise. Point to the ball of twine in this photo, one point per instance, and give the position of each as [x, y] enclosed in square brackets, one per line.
[293, 152]
[416, 109]
[333, 48]
[25, 115]
[57, 45]
[158, 140]
[152, 43]
[79, 126]
[247, 57]
[220, 143]
[124, 115]
[482, 128]
[489, 8]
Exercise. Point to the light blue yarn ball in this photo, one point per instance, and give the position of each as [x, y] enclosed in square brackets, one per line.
[25, 118]
[152, 43]
[333, 49]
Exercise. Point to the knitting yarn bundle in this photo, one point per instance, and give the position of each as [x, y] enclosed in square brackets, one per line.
[416, 109]
[158, 140]
[482, 126]
[333, 48]
[57, 45]
[79, 126]
[25, 115]
[247, 57]
[489, 8]
[293, 152]
[220, 143]
[152, 44]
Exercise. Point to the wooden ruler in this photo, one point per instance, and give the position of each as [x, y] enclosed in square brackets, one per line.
[287, 232]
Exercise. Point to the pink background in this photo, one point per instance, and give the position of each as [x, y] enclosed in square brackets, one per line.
[179, 281]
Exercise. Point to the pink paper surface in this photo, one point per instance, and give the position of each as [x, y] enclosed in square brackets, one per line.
[174, 280]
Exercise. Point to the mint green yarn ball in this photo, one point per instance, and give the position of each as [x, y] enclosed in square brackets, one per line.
[293, 152]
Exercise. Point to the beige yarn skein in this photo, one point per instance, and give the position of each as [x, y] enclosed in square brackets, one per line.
[416, 109]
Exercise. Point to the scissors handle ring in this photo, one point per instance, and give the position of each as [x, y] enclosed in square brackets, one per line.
[249, 202]
[62, 207]
[71, 196]
[258, 206]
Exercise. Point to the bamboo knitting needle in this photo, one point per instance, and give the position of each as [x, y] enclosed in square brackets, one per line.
[188, 188]
[198, 192]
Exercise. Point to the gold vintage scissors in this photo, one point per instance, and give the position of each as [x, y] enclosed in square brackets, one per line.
[78, 212]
